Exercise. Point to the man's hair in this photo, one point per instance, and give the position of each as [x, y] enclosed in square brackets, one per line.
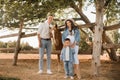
[67, 39]
[49, 14]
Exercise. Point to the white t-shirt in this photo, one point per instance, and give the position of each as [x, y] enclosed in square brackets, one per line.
[67, 54]
[43, 30]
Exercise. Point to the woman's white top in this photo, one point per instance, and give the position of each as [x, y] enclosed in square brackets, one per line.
[71, 37]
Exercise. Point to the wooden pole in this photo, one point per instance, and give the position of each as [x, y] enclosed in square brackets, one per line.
[17, 49]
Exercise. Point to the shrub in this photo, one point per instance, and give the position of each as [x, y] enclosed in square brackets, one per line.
[84, 47]
[26, 46]
[3, 45]
[11, 44]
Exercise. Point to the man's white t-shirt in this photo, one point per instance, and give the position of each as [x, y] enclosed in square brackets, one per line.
[44, 30]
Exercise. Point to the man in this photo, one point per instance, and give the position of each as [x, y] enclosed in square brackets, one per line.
[44, 43]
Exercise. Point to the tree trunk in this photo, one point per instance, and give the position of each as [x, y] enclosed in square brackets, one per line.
[112, 52]
[17, 49]
[97, 43]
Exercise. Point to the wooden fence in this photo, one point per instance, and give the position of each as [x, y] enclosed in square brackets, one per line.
[21, 34]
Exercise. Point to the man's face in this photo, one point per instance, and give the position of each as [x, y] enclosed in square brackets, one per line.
[50, 18]
[67, 43]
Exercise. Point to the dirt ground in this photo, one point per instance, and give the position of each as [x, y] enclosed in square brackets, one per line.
[27, 68]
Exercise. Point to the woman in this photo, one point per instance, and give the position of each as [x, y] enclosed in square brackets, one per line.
[72, 32]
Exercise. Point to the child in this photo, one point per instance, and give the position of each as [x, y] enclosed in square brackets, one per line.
[67, 56]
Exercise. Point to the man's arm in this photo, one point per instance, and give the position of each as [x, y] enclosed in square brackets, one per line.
[39, 40]
[38, 34]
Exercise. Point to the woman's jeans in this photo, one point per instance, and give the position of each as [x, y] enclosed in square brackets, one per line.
[68, 66]
[45, 45]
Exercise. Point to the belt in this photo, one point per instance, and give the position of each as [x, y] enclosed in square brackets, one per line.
[45, 39]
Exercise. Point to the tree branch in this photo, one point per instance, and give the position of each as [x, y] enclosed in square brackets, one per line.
[79, 11]
[107, 3]
[112, 27]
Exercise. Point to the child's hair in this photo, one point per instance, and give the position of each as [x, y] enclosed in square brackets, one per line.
[67, 39]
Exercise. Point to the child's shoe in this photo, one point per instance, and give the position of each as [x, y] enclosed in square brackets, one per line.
[66, 77]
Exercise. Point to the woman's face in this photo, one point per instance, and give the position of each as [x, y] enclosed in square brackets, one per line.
[68, 24]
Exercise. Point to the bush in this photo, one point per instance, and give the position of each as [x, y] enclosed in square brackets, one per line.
[12, 44]
[26, 46]
[84, 47]
[3, 45]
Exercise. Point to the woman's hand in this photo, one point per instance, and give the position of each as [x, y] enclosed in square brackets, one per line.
[73, 45]
[64, 45]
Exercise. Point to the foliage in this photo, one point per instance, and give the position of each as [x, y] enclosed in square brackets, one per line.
[12, 44]
[12, 11]
[112, 13]
[3, 45]
[84, 47]
[26, 46]
[34, 11]
[116, 37]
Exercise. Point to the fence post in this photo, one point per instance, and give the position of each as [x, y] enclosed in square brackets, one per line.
[17, 49]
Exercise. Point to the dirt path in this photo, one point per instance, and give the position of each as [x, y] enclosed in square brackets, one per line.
[53, 56]
[27, 68]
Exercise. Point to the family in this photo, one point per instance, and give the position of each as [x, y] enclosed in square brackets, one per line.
[69, 52]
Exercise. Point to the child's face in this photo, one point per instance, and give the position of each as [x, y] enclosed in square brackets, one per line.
[67, 43]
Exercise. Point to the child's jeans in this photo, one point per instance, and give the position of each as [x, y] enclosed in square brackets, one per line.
[68, 66]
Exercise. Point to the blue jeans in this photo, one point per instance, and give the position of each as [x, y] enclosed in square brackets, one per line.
[68, 66]
[46, 44]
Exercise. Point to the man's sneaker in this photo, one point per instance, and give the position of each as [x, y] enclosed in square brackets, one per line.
[40, 72]
[66, 77]
[71, 77]
[49, 72]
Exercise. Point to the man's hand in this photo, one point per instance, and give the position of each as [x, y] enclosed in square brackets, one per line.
[39, 41]
[39, 45]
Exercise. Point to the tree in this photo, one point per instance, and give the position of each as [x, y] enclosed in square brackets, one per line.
[112, 12]
[97, 43]
[12, 11]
